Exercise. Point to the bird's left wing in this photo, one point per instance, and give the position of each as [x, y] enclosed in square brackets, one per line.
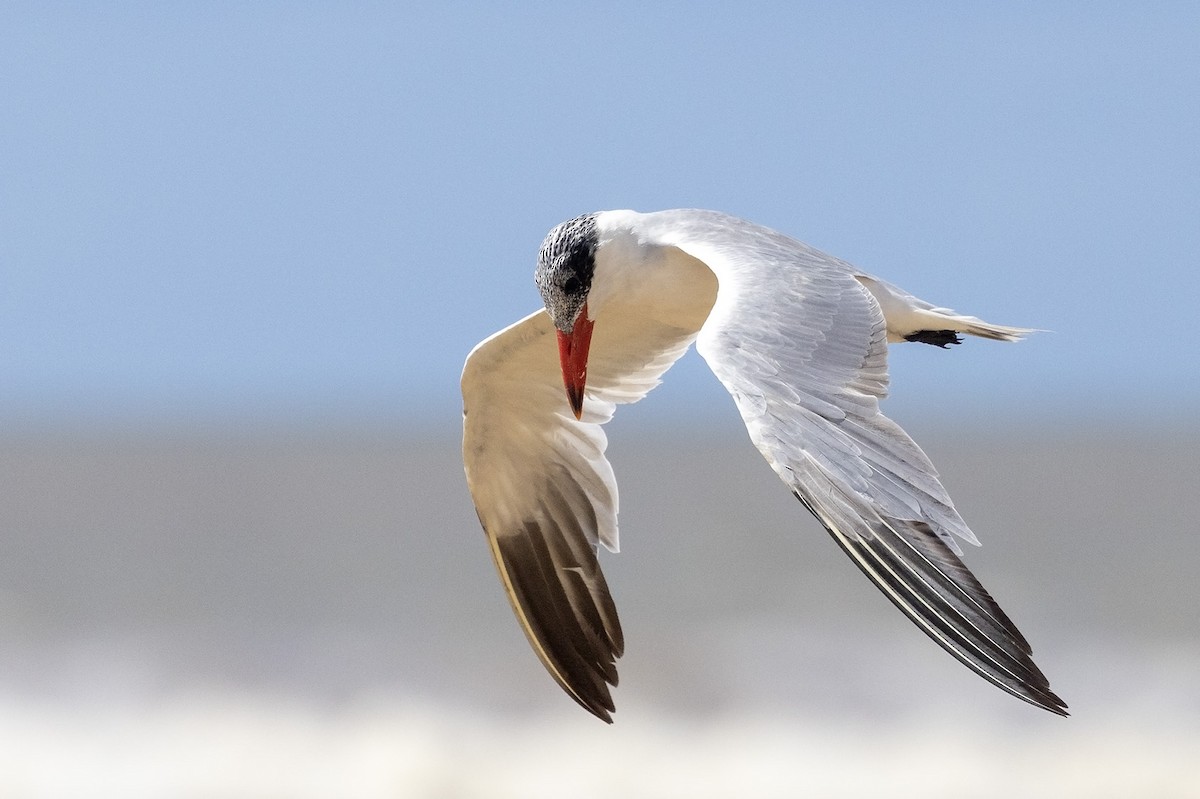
[801, 344]
[544, 491]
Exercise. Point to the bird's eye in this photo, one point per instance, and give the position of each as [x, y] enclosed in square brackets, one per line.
[570, 285]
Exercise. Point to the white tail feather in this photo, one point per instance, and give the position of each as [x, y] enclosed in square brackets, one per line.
[909, 316]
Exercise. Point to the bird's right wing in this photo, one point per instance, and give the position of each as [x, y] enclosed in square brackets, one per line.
[546, 496]
[801, 345]
[544, 490]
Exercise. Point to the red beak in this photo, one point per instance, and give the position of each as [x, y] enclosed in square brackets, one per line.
[573, 353]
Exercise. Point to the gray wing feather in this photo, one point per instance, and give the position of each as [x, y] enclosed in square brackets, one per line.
[801, 345]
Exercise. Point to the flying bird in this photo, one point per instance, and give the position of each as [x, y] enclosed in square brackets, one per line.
[800, 339]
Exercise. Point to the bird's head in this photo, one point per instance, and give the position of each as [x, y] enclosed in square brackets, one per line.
[565, 268]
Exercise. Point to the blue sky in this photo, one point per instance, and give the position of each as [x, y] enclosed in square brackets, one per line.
[288, 212]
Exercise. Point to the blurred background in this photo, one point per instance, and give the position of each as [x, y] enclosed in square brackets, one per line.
[244, 250]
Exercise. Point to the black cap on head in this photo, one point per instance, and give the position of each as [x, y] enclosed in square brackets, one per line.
[566, 265]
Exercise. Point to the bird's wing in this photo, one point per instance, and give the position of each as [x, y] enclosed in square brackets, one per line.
[801, 345]
[544, 491]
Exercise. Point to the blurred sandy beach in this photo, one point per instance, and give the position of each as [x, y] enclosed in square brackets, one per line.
[283, 614]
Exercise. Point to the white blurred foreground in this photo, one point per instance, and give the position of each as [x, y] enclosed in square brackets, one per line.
[252, 746]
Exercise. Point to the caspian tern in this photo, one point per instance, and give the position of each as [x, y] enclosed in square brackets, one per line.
[799, 338]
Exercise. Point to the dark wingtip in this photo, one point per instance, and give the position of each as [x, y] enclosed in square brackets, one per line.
[559, 593]
[1048, 700]
[938, 338]
[1061, 709]
[931, 586]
